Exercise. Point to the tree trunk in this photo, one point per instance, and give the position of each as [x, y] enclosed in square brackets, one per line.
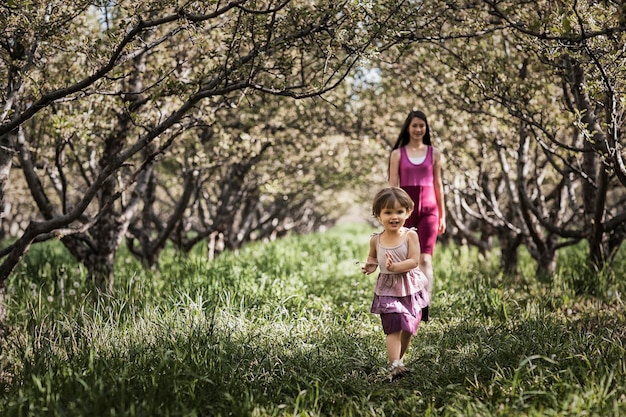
[6, 159]
[509, 259]
[100, 263]
[3, 308]
[595, 189]
[151, 231]
[101, 267]
[108, 232]
[546, 259]
[598, 250]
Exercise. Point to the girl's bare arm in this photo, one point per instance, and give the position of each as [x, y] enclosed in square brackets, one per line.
[394, 168]
[372, 262]
[438, 185]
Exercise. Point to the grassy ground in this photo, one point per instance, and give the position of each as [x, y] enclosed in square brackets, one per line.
[284, 329]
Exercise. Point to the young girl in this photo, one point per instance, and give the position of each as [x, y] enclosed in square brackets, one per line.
[400, 292]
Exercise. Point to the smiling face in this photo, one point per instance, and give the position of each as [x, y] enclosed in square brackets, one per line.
[417, 129]
[393, 218]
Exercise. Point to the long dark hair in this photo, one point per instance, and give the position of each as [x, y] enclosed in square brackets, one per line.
[403, 137]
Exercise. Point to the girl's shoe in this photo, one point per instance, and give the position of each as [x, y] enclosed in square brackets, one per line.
[398, 370]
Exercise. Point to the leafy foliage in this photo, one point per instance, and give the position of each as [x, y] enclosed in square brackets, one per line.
[167, 122]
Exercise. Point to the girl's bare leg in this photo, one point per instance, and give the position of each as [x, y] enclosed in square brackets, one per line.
[405, 341]
[394, 346]
[426, 265]
[397, 344]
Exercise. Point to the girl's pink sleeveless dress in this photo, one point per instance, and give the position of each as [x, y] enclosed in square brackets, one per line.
[399, 297]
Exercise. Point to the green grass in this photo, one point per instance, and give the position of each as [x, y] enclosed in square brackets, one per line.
[284, 328]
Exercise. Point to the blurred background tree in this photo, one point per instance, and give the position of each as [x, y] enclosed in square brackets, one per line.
[213, 123]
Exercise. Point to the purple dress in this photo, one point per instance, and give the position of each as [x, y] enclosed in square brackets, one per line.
[418, 181]
[399, 297]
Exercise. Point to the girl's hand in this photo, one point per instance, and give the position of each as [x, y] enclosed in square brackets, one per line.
[442, 227]
[369, 268]
[389, 262]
